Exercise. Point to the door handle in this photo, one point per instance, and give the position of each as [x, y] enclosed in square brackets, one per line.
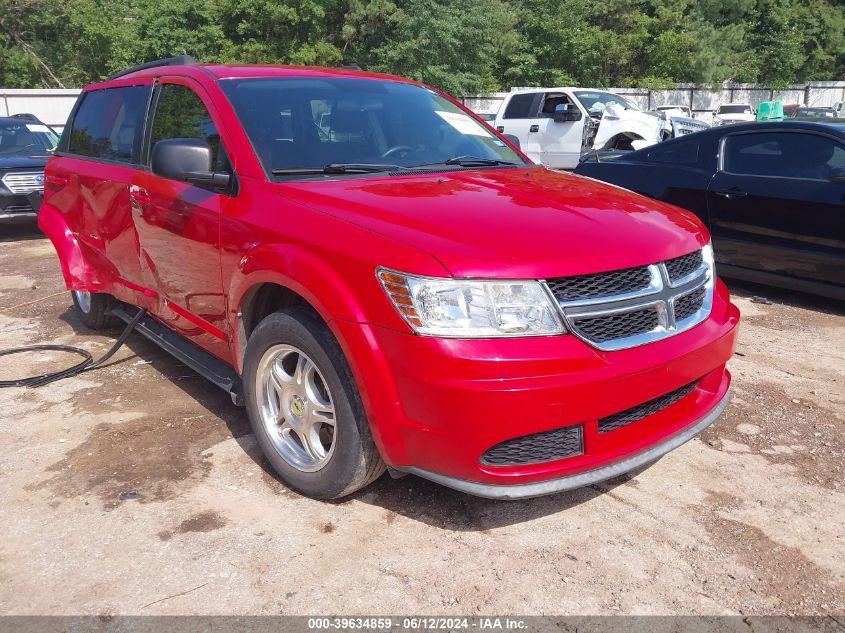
[534, 128]
[56, 181]
[730, 194]
[500, 128]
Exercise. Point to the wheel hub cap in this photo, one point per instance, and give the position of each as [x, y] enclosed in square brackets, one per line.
[296, 407]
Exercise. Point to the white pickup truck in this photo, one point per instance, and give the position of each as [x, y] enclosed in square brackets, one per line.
[555, 126]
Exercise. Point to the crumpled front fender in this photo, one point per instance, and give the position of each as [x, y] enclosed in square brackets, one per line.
[632, 123]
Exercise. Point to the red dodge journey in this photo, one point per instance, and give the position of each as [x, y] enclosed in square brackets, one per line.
[384, 281]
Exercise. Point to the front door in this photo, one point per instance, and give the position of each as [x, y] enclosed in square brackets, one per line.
[559, 142]
[517, 119]
[179, 223]
[774, 208]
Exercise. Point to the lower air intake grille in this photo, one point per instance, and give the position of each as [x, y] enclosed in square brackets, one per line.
[537, 448]
[644, 410]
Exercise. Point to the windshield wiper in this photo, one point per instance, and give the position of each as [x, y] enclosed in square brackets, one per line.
[472, 161]
[338, 168]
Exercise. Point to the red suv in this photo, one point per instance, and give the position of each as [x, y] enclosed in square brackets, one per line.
[385, 281]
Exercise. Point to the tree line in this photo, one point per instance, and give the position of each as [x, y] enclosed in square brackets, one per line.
[461, 46]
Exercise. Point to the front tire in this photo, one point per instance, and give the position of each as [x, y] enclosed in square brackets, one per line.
[304, 407]
[93, 309]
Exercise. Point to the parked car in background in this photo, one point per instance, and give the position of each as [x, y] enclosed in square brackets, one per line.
[556, 126]
[839, 108]
[681, 110]
[384, 280]
[733, 113]
[805, 112]
[772, 195]
[25, 145]
[490, 117]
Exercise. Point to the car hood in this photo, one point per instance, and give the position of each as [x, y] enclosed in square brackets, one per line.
[510, 223]
[12, 162]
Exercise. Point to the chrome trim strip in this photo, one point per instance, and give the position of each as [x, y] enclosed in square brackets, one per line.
[540, 488]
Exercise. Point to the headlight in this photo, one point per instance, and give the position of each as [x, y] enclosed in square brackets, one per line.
[472, 308]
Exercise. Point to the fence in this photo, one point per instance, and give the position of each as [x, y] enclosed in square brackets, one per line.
[702, 101]
[53, 106]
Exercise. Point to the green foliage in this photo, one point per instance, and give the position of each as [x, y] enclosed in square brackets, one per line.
[462, 46]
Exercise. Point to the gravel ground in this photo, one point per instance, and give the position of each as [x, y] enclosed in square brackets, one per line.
[747, 519]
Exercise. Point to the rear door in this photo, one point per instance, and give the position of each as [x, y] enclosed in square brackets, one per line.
[773, 207]
[179, 223]
[90, 178]
[516, 119]
[559, 143]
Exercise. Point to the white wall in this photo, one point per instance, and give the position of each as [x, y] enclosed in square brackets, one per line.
[51, 106]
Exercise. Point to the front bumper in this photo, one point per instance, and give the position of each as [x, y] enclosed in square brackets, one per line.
[19, 208]
[570, 482]
[437, 405]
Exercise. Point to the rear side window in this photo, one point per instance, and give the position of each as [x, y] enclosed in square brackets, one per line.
[782, 154]
[109, 124]
[180, 113]
[519, 107]
[676, 153]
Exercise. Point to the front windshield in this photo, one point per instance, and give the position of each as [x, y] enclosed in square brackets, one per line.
[306, 123]
[22, 138]
[595, 101]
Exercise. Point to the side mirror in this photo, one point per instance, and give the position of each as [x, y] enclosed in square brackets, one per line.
[567, 112]
[837, 174]
[188, 160]
[513, 138]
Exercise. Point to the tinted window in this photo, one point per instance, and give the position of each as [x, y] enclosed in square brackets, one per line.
[734, 109]
[783, 154]
[24, 138]
[677, 153]
[308, 123]
[519, 107]
[109, 124]
[180, 113]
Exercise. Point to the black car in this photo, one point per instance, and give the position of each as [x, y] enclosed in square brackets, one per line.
[772, 195]
[25, 144]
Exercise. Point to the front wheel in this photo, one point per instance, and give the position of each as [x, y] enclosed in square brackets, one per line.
[304, 407]
[92, 308]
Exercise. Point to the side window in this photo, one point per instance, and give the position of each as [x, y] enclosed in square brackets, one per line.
[519, 107]
[180, 113]
[552, 101]
[782, 154]
[676, 153]
[109, 124]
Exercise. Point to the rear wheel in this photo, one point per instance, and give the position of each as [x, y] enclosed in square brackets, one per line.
[304, 407]
[92, 308]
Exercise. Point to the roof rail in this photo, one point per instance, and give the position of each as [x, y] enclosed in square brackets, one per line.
[351, 67]
[179, 60]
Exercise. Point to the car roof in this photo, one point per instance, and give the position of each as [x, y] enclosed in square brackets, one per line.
[837, 126]
[251, 71]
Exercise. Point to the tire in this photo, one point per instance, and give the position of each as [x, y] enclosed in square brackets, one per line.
[92, 309]
[294, 372]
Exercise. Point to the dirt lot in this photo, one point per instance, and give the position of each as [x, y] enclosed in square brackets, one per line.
[747, 519]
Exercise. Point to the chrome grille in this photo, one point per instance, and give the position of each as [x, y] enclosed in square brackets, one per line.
[626, 308]
[586, 286]
[644, 410]
[23, 183]
[537, 448]
[614, 326]
[680, 267]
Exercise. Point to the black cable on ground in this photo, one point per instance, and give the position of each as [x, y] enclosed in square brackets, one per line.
[88, 363]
